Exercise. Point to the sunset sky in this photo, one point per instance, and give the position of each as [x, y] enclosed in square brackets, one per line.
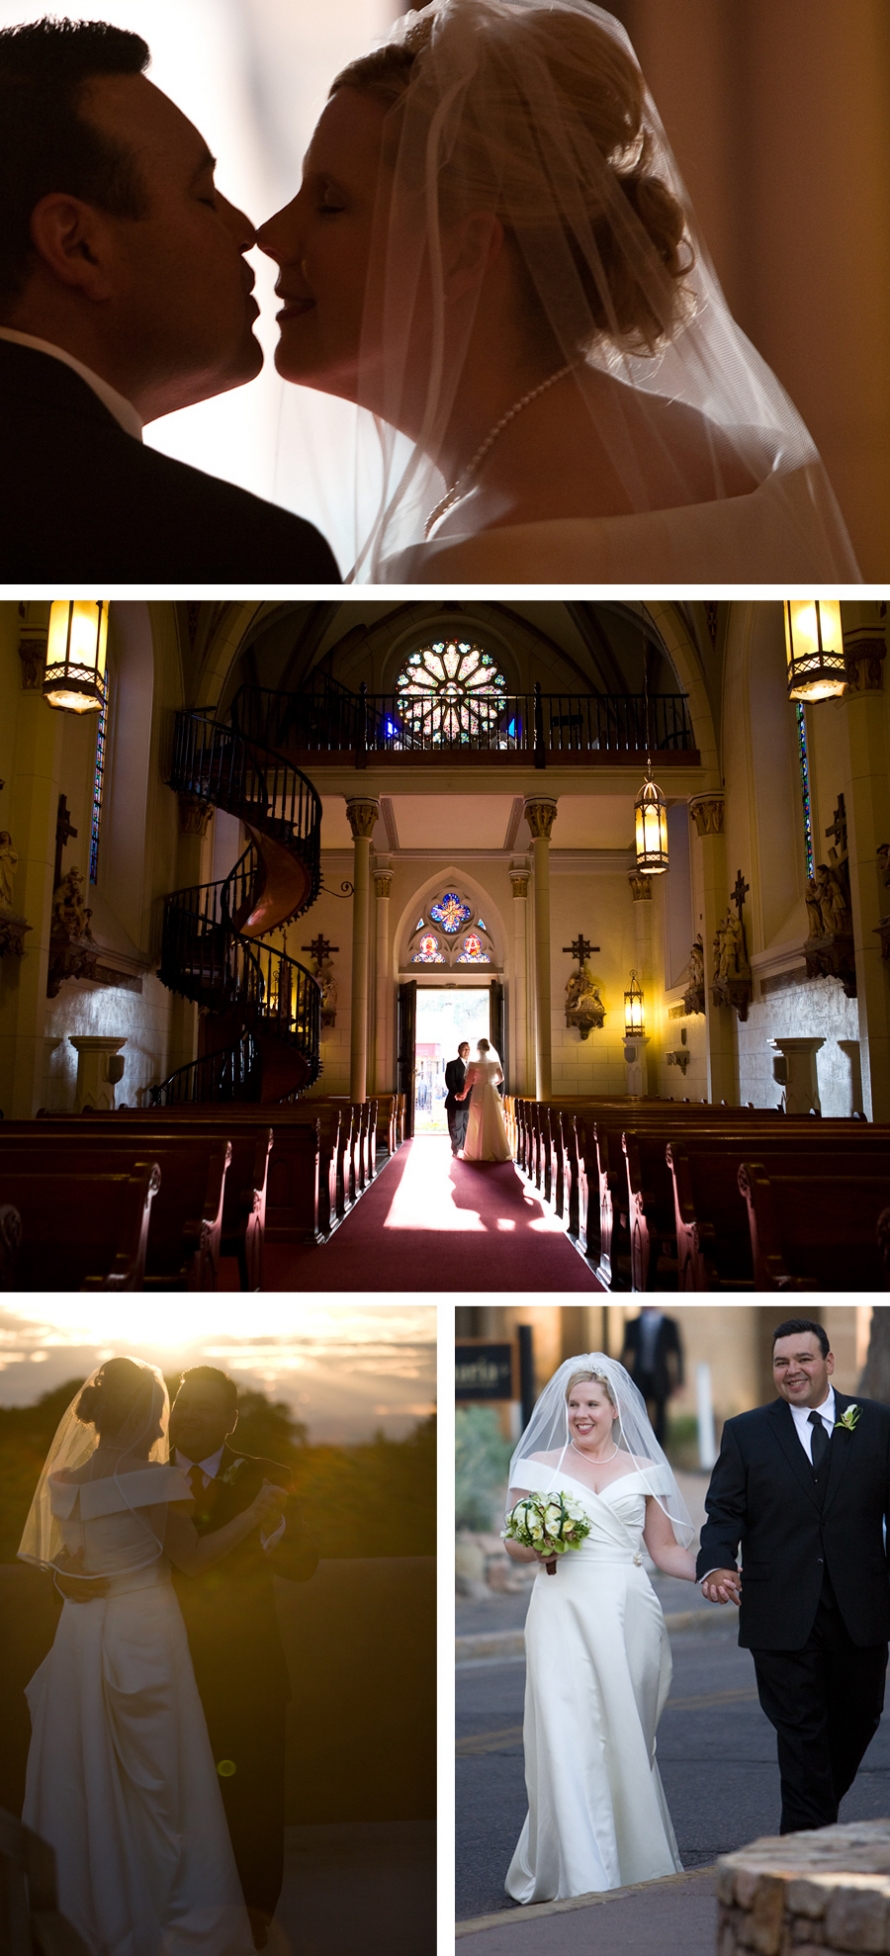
[346, 1369]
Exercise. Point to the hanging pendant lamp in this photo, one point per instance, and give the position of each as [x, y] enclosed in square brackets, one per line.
[814, 645]
[76, 649]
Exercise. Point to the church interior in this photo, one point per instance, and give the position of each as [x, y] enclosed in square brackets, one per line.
[264, 864]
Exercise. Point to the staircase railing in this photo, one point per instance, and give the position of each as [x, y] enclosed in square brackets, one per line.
[215, 950]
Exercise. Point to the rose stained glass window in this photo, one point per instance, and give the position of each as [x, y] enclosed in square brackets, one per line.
[450, 912]
[452, 693]
[472, 952]
[428, 951]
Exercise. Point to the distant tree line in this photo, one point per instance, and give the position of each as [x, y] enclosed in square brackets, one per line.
[376, 1498]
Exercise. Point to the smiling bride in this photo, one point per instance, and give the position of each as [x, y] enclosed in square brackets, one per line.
[597, 1652]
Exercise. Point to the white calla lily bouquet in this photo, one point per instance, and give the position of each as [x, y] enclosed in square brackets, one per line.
[550, 1523]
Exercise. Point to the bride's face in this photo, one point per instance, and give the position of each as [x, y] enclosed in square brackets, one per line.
[591, 1413]
[323, 242]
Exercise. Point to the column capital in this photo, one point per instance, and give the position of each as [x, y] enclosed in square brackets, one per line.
[641, 887]
[362, 813]
[707, 813]
[865, 650]
[540, 815]
[382, 882]
[519, 880]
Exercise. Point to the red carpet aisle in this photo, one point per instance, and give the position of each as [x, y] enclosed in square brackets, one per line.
[435, 1224]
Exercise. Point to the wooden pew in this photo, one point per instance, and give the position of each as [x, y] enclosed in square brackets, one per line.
[710, 1213]
[185, 1237]
[81, 1229]
[814, 1221]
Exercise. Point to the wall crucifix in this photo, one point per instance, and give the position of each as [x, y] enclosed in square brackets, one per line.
[581, 949]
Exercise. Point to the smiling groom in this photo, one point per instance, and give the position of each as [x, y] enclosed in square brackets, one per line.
[803, 1486]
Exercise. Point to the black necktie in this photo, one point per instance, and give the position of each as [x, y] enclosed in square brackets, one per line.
[820, 1440]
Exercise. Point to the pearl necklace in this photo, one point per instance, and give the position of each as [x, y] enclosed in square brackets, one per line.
[600, 1459]
[461, 482]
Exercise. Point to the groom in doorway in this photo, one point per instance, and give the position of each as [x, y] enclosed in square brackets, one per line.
[804, 1486]
[457, 1112]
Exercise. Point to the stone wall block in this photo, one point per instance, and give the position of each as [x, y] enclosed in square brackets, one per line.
[746, 1885]
[725, 1886]
[857, 1920]
[808, 1898]
[768, 1916]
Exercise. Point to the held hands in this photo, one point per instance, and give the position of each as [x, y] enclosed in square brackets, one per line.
[723, 1586]
[267, 1507]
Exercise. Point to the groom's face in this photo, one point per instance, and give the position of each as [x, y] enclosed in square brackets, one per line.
[179, 305]
[800, 1371]
[201, 1417]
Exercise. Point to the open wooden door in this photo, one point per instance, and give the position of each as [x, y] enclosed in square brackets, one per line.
[407, 1040]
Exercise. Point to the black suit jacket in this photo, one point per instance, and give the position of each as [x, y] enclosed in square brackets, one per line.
[668, 1355]
[763, 1498]
[455, 1075]
[82, 502]
[229, 1610]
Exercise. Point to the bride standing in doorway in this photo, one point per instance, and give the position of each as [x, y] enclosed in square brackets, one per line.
[486, 1129]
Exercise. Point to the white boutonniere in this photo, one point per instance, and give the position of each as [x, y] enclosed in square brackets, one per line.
[848, 1421]
[233, 1473]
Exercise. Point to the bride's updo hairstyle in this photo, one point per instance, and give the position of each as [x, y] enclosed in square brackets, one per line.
[540, 115]
[483, 1045]
[120, 1396]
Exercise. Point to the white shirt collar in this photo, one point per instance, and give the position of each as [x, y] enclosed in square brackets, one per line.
[801, 1414]
[209, 1467]
[123, 410]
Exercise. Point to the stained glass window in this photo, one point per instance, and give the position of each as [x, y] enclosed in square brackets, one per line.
[450, 912]
[428, 952]
[472, 952]
[803, 758]
[98, 783]
[449, 694]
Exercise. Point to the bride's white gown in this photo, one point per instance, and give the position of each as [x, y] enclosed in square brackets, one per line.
[598, 1674]
[486, 1128]
[121, 1779]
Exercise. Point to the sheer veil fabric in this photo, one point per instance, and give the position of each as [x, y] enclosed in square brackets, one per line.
[547, 1433]
[536, 110]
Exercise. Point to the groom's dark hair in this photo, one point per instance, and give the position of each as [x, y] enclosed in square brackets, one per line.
[47, 143]
[792, 1327]
[211, 1375]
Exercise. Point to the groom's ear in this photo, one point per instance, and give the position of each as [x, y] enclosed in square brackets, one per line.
[72, 240]
[469, 249]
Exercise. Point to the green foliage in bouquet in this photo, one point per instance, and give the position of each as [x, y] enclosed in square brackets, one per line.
[550, 1523]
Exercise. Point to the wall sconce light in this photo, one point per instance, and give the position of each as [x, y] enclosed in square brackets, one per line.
[75, 655]
[814, 644]
[651, 828]
[633, 1009]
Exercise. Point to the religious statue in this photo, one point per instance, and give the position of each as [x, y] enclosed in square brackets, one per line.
[694, 995]
[828, 947]
[71, 915]
[584, 1006]
[327, 985]
[8, 864]
[732, 983]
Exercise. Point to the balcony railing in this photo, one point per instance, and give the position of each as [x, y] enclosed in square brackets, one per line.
[330, 719]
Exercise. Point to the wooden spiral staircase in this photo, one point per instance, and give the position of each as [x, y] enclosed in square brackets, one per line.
[265, 1008]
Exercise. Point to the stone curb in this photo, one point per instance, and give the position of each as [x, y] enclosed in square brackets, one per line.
[496, 1645]
[533, 1911]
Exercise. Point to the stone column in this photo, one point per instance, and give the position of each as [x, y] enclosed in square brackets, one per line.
[362, 815]
[519, 1058]
[540, 815]
[383, 1068]
[711, 882]
[644, 964]
[98, 1070]
[867, 803]
[193, 867]
[799, 1076]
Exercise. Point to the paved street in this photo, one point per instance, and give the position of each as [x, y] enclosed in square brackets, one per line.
[715, 1749]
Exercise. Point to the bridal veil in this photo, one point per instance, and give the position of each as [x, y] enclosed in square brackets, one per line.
[548, 1432]
[536, 111]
